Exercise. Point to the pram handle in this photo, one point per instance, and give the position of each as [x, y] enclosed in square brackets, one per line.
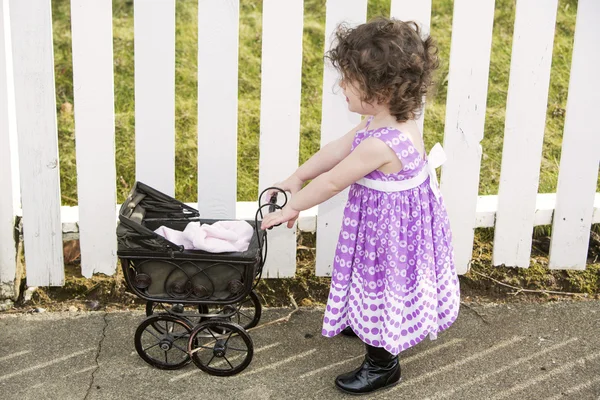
[272, 201]
[272, 204]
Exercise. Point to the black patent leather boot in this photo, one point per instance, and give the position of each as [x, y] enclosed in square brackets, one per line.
[347, 331]
[379, 370]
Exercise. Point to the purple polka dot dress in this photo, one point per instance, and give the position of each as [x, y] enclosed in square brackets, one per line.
[393, 281]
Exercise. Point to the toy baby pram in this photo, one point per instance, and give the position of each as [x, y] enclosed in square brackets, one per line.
[199, 304]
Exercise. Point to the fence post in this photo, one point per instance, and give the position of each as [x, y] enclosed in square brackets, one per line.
[9, 170]
[91, 25]
[580, 155]
[35, 105]
[336, 121]
[218, 39]
[465, 118]
[281, 78]
[154, 51]
[525, 124]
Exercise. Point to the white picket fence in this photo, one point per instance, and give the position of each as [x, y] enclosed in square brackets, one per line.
[28, 130]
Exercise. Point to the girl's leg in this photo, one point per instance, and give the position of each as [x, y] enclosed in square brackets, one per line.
[379, 370]
[347, 331]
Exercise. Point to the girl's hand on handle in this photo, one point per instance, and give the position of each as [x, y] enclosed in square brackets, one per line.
[286, 214]
[293, 184]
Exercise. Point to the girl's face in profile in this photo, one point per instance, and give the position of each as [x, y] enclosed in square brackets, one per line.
[353, 96]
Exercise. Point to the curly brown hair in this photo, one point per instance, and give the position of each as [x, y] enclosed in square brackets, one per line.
[388, 61]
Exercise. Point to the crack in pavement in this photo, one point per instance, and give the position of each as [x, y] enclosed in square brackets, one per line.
[474, 311]
[87, 393]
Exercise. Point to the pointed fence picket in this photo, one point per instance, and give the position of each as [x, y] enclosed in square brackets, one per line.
[336, 121]
[576, 199]
[35, 101]
[91, 25]
[524, 130]
[154, 50]
[465, 117]
[281, 82]
[9, 168]
[217, 107]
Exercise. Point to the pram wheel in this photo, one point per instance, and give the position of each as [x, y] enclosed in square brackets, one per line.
[162, 340]
[246, 313]
[176, 310]
[220, 347]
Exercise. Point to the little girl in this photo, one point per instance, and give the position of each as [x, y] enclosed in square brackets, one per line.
[393, 282]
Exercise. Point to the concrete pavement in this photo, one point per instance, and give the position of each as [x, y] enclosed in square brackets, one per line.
[519, 351]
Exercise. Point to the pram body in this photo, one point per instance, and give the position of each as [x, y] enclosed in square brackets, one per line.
[203, 299]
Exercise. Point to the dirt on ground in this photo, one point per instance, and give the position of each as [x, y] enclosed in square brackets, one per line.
[483, 283]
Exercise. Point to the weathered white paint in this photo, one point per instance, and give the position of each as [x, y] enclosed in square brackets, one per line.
[580, 155]
[154, 48]
[281, 83]
[465, 117]
[218, 25]
[91, 26]
[524, 130]
[33, 63]
[336, 121]
[420, 12]
[9, 170]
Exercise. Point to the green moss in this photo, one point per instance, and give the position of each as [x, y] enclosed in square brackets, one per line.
[537, 277]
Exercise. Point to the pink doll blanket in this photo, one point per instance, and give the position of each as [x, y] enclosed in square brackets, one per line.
[220, 237]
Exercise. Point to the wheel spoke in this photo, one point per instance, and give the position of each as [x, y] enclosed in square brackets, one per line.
[209, 361]
[204, 335]
[181, 335]
[163, 329]
[179, 348]
[152, 333]
[247, 316]
[228, 362]
[242, 304]
[166, 362]
[228, 338]
[149, 347]
[211, 334]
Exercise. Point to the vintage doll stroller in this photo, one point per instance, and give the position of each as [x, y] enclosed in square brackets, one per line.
[199, 304]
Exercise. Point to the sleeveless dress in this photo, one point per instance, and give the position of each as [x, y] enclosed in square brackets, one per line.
[393, 281]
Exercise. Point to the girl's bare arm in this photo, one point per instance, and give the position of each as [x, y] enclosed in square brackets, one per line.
[329, 156]
[369, 155]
